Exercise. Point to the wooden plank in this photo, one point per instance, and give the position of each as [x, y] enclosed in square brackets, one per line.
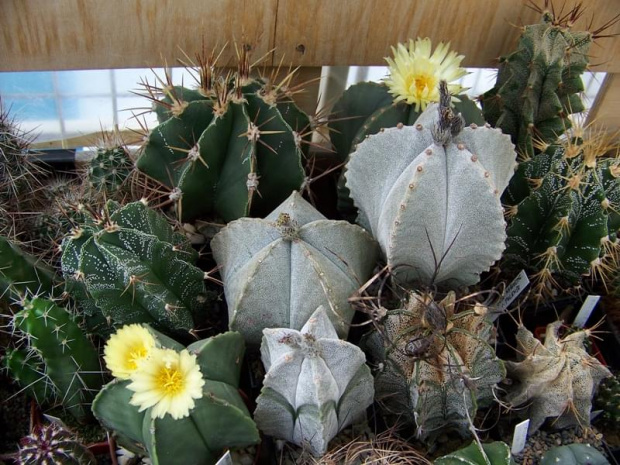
[85, 34]
[360, 32]
[604, 112]
[96, 34]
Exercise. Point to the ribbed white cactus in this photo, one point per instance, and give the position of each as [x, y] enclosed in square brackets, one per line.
[430, 194]
[277, 271]
[316, 384]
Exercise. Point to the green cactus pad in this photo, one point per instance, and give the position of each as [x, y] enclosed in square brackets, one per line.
[494, 453]
[574, 454]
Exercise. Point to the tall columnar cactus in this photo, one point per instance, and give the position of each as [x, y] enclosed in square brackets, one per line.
[22, 274]
[277, 271]
[538, 85]
[64, 357]
[130, 265]
[218, 420]
[315, 384]
[435, 364]
[51, 444]
[430, 194]
[608, 399]
[233, 146]
[555, 379]
[564, 206]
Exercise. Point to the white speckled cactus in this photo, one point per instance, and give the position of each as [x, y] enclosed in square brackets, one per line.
[277, 271]
[430, 194]
[316, 384]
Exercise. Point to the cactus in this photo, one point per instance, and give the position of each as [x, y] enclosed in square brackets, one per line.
[109, 171]
[555, 379]
[21, 274]
[315, 384]
[277, 271]
[57, 344]
[135, 269]
[574, 454]
[53, 445]
[608, 399]
[218, 420]
[233, 146]
[430, 194]
[538, 85]
[435, 364]
[494, 453]
[564, 205]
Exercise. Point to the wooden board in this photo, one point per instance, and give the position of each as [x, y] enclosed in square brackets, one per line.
[91, 34]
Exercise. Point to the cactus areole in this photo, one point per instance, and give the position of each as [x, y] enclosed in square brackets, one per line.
[430, 194]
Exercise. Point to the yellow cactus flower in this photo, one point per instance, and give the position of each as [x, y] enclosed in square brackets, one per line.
[127, 348]
[168, 382]
[415, 72]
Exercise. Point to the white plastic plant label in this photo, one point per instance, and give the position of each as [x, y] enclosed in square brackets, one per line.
[225, 460]
[519, 437]
[586, 310]
[516, 287]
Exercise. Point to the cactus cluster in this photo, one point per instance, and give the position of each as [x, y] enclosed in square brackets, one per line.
[315, 384]
[538, 85]
[564, 208]
[218, 420]
[55, 361]
[278, 270]
[53, 445]
[129, 265]
[430, 194]
[233, 147]
[435, 366]
[555, 379]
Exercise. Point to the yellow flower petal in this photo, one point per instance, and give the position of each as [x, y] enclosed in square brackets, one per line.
[415, 72]
[127, 348]
[168, 382]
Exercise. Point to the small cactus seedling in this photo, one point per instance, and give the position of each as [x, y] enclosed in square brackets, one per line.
[555, 379]
[430, 194]
[60, 354]
[135, 269]
[538, 85]
[494, 453]
[277, 271]
[608, 399]
[218, 420]
[316, 384]
[574, 454]
[564, 206]
[109, 171]
[233, 146]
[435, 364]
[52, 445]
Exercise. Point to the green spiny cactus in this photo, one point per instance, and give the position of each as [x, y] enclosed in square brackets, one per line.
[134, 269]
[430, 194]
[555, 379]
[110, 169]
[564, 206]
[574, 454]
[23, 275]
[233, 146]
[538, 85]
[53, 445]
[277, 271]
[218, 420]
[608, 399]
[70, 361]
[28, 370]
[494, 453]
[435, 364]
[315, 384]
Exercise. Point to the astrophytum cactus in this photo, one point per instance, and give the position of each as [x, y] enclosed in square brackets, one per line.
[430, 194]
[556, 379]
[277, 271]
[316, 384]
